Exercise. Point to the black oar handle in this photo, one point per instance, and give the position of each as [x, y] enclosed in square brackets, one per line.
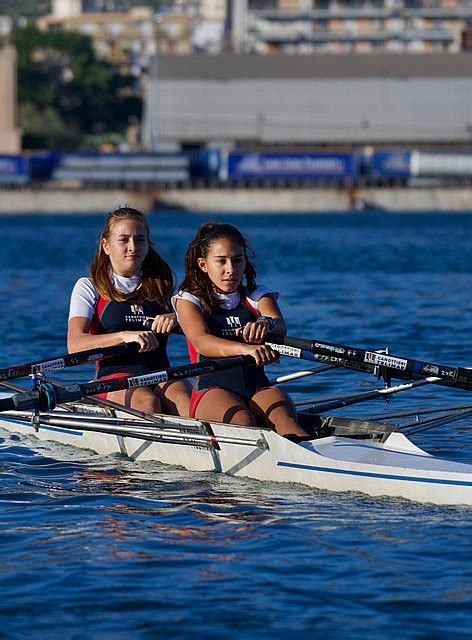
[48, 396]
[148, 325]
[396, 366]
[67, 360]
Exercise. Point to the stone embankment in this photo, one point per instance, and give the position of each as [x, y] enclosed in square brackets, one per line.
[312, 200]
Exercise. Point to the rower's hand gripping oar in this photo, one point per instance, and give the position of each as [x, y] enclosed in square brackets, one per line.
[367, 361]
[67, 360]
[72, 359]
[46, 396]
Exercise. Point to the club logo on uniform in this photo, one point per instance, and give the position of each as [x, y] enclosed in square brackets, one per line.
[138, 314]
[233, 321]
[137, 309]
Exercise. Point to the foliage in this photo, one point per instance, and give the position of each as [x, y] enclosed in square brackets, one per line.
[62, 84]
[102, 141]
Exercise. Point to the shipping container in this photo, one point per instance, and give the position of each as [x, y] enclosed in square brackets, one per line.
[290, 166]
[14, 169]
[119, 168]
[389, 164]
[430, 164]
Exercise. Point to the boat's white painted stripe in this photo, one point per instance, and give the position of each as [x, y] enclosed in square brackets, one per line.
[367, 474]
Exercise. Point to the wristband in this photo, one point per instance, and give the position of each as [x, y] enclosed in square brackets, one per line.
[272, 322]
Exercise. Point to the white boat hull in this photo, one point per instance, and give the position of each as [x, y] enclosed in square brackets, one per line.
[394, 468]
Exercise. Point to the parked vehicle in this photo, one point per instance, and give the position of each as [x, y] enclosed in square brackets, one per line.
[220, 165]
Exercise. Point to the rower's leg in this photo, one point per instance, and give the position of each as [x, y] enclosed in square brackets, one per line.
[142, 398]
[220, 405]
[175, 397]
[274, 408]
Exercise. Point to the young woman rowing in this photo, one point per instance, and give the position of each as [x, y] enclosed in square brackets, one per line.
[221, 316]
[129, 282]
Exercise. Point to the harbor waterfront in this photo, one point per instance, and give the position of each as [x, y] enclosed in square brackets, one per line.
[104, 547]
[237, 200]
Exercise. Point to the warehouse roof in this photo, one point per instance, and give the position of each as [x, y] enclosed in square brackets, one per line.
[327, 66]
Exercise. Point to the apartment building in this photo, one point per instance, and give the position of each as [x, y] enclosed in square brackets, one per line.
[358, 26]
[270, 26]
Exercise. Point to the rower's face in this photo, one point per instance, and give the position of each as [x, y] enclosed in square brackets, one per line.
[126, 247]
[224, 265]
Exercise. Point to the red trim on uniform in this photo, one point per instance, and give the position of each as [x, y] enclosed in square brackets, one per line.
[99, 308]
[192, 352]
[95, 322]
[195, 398]
[247, 304]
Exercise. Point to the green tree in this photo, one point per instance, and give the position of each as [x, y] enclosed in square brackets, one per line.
[62, 85]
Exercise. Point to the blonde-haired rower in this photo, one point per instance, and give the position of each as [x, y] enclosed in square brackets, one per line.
[129, 282]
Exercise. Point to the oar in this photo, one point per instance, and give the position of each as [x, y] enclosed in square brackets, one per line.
[47, 396]
[67, 360]
[302, 374]
[406, 413]
[367, 361]
[431, 423]
[321, 406]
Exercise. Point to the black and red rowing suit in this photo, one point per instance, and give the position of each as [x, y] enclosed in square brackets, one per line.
[244, 381]
[111, 316]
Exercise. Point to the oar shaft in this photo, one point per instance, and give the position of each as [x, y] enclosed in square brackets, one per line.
[347, 401]
[301, 374]
[66, 360]
[364, 360]
[48, 396]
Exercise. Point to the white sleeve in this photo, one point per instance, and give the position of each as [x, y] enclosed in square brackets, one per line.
[184, 295]
[259, 292]
[83, 300]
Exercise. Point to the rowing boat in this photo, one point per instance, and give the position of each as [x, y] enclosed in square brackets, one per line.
[371, 457]
[374, 458]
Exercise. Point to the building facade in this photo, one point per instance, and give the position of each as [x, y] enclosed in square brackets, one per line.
[271, 26]
[358, 26]
[125, 39]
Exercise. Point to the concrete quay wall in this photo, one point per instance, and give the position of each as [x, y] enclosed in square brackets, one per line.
[237, 200]
[321, 200]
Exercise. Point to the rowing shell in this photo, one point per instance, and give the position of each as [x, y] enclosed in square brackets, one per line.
[382, 462]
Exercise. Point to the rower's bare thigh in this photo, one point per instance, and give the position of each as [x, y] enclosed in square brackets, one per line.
[220, 405]
[175, 397]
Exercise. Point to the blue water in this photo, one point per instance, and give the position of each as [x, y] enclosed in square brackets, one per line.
[95, 547]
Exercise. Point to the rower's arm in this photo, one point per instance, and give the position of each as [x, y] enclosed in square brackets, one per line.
[78, 338]
[196, 331]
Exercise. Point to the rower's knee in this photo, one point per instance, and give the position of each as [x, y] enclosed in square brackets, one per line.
[240, 416]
